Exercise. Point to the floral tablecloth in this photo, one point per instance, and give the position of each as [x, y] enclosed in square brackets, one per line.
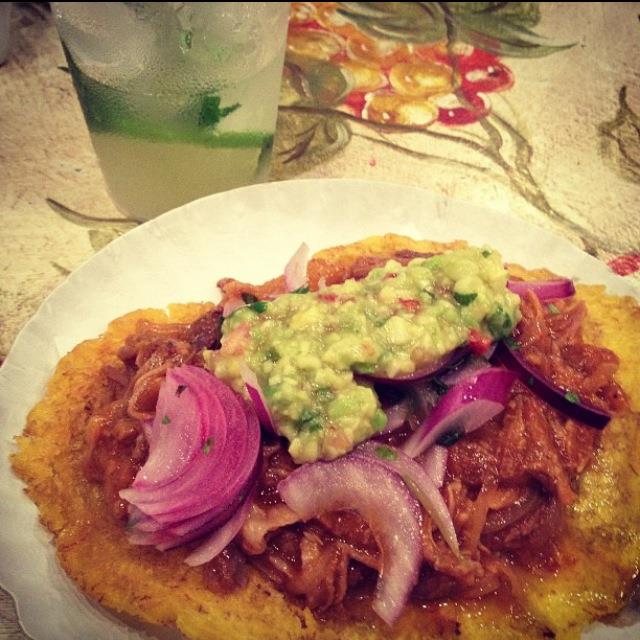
[532, 108]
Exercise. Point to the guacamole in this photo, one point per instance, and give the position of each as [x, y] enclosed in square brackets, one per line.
[305, 347]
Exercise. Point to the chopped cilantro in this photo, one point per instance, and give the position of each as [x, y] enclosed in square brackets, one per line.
[309, 420]
[166, 419]
[512, 343]
[249, 298]
[210, 111]
[450, 437]
[386, 453]
[464, 299]
[304, 289]
[486, 253]
[499, 323]
[572, 397]
[180, 389]
[259, 307]
[364, 367]
[206, 447]
[552, 309]
[324, 393]
[272, 354]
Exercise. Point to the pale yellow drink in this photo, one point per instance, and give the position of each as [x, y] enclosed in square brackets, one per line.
[180, 98]
[170, 174]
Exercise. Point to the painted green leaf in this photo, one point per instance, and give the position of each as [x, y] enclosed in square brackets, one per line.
[620, 140]
[501, 28]
[524, 14]
[318, 83]
[321, 140]
[422, 22]
[498, 35]
[91, 222]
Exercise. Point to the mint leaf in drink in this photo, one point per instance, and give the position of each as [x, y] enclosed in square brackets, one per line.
[211, 112]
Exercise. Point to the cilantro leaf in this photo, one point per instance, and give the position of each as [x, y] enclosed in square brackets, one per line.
[499, 323]
[572, 397]
[464, 299]
[309, 420]
[259, 306]
[512, 343]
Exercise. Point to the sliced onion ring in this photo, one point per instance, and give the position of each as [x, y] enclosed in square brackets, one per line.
[295, 273]
[420, 484]
[220, 538]
[203, 461]
[427, 371]
[257, 398]
[466, 406]
[434, 461]
[548, 391]
[466, 370]
[544, 289]
[382, 499]
[397, 415]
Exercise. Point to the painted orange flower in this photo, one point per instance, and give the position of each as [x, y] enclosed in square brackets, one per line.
[391, 81]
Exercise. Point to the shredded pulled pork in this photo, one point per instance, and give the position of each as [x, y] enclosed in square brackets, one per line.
[552, 342]
[506, 484]
[116, 445]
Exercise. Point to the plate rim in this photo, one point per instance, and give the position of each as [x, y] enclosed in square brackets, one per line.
[70, 282]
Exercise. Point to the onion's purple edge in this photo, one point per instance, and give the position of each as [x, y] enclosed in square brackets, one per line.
[439, 365]
[549, 392]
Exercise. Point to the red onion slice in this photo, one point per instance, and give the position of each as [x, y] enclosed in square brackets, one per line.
[396, 415]
[420, 484]
[465, 370]
[295, 273]
[466, 407]
[230, 431]
[172, 449]
[434, 462]
[561, 399]
[544, 289]
[423, 372]
[257, 398]
[382, 499]
[203, 460]
[220, 538]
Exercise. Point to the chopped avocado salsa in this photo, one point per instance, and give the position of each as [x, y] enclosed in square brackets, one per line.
[304, 348]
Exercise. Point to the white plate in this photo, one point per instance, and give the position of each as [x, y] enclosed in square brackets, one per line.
[248, 233]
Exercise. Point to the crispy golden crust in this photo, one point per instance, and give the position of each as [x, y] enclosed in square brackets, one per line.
[603, 531]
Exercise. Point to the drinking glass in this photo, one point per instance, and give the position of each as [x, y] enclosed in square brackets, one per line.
[180, 98]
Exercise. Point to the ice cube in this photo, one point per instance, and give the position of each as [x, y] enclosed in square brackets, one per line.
[110, 41]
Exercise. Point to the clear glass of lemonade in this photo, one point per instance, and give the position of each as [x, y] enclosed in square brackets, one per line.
[180, 98]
